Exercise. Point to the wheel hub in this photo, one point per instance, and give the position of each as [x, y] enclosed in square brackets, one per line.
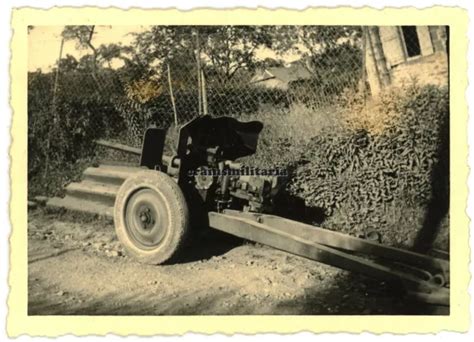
[146, 218]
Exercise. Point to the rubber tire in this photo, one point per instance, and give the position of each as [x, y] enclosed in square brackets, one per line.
[177, 213]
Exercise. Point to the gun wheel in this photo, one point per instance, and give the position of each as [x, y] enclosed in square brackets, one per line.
[151, 217]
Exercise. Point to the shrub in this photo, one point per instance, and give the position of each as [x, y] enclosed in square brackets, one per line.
[287, 131]
[62, 134]
[358, 173]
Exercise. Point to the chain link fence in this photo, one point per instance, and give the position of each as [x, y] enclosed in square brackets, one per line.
[169, 75]
[361, 148]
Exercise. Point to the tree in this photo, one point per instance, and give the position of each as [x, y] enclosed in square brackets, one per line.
[82, 35]
[224, 50]
[100, 55]
[107, 53]
[312, 39]
[87, 63]
[312, 42]
[232, 48]
[68, 63]
[160, 44]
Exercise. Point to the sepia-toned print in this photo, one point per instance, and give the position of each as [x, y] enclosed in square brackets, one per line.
[238, 170]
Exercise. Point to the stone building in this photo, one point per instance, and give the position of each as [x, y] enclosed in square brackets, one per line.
[397, 54]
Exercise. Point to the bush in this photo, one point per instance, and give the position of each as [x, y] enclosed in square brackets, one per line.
[286, 132]
[370, 165]
[360, 175]
[61, 135]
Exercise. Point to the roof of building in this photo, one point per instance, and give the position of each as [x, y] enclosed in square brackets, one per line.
[285, 74]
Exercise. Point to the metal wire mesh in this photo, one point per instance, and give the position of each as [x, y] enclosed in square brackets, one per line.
[169, 75]
[144, 92]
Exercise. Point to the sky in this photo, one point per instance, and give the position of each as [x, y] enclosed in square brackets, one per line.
[44, 43]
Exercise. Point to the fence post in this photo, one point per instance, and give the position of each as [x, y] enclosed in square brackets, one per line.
[170, 85]
[204, 93]
[198, 61]
[53, 110]
[363, 86]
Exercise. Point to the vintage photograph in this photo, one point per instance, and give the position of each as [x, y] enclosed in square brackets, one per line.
[238, 170]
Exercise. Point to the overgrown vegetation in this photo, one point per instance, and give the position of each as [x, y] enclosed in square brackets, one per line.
[369, 165]
[62, 128]
[115, 91]
[376, 172]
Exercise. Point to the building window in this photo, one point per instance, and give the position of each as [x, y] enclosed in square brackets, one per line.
[412, 42]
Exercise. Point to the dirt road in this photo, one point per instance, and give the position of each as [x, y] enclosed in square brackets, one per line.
[78, 267]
